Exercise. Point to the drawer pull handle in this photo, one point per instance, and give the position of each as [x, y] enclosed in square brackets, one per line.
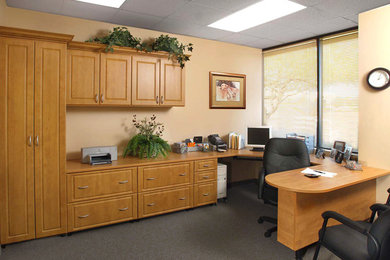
[123, 209]
[150, 179]
[84, 216]
[151, 204]
[206, 177]
[182, 174]
[82, 187]
[184, 198]
[123, 182]
[205, 194]
[206, 165]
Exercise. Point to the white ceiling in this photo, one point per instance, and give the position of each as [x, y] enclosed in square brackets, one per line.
[191, 17]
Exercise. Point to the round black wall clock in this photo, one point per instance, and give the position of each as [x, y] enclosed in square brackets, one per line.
[379, 78]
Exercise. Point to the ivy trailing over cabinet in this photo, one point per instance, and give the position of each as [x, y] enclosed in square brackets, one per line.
[126, 77]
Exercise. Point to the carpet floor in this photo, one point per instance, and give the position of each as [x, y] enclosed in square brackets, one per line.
[226, 231]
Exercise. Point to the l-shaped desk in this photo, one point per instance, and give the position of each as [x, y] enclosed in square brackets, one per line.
[301, 200]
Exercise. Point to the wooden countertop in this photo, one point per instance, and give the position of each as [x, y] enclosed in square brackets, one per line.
[296, 181]
[73, 166]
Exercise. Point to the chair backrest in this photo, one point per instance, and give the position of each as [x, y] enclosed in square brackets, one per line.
[282, 154]
[380, 230]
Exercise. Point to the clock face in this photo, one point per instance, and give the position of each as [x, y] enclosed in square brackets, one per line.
[379, 78]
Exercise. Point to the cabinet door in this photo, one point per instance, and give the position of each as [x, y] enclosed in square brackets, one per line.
[172, 84]
[115, 79]
[146, 81]
[16, 128]
[49, 140]
[83, 77]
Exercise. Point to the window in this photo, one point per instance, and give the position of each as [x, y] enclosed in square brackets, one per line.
[292, 88]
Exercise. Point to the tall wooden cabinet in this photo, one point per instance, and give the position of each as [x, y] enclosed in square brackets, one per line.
[32, 137]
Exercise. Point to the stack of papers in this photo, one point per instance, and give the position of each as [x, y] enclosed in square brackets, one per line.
[319, 173]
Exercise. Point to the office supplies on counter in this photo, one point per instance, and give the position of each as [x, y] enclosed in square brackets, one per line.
[217, 143]
[319, 173]
[198, 139]
[236, 141]
[179, 147]
[95, 159]
[339, 157]
[98, 151]
[353, 165]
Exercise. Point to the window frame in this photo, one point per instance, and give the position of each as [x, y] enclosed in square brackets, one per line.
[317, 39]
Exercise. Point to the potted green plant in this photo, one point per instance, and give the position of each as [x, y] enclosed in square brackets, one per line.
[147, 143]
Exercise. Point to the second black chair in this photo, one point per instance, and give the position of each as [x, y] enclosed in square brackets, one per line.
[280, 154]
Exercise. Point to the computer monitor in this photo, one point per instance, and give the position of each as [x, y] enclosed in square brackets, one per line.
[257, 137]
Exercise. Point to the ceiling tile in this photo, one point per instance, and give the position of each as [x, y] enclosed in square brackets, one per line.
[333, 25]
[264, 43]
[211, 33]
[160, 8]
[239, 38]
[135, 19]
[347, 7]
[307, 2]
[172, 25]
[278, 33]
[198, 14]
[88, 11]
[50, 6]
[232, 5]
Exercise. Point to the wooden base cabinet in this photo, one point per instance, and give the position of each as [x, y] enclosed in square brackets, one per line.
[32, 138]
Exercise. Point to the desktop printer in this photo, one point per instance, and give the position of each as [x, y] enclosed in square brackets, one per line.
[217, 142]
[99, 155]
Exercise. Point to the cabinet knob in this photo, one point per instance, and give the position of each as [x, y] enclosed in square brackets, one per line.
[123, 182]
[182, 174]
[150, 179]
[84, 216]
[102, 98]
[162, 99]
[205, 194]
[206, 177]
[82, 187]
[37, 140]
[182, 198]
[29, 140]
[156, 99]
[97, 98]
[123, 209]
[151, 204]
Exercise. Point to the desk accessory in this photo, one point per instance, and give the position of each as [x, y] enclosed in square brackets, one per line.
[353, 165]
[332, 153]
[339, 145]
[98, 150]
[179, 147]
[348, 153]
[320, 153]
[198, 139]
[311, 175]
[339, 157]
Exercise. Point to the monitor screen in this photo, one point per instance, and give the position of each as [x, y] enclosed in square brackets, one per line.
[258, 135]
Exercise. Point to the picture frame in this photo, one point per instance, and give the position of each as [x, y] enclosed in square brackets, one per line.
[333, 153]
[339, 145]
[348, 153]
[320, 153]
[227, 90]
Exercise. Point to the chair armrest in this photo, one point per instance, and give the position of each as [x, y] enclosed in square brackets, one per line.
[344, 220]
[261, 183]
[377, 208]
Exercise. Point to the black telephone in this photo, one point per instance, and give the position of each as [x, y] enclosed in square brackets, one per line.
[214, 139]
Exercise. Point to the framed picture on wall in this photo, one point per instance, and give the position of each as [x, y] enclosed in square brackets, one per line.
[227, 90]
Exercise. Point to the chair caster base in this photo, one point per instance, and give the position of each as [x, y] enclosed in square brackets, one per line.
[267, 234]
[260, 221]
[3, 246]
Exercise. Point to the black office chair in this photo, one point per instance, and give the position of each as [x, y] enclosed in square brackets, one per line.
[280, 154]
[373, 214]
[357, 239]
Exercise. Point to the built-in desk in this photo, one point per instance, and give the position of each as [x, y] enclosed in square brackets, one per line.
[302, 200]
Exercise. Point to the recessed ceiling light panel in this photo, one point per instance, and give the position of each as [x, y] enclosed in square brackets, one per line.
[110, 3]
[259, 13]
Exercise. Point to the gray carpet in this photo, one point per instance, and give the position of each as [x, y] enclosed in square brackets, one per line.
[227, 231]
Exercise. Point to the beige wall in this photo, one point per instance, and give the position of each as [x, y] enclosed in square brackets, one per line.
[374, 106]
[105, 126]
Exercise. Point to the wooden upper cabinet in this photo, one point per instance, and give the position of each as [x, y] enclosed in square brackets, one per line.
[49, 139]
[17, 221]
[146, 81]
[115, 79]
[83, 77]
[172, 84]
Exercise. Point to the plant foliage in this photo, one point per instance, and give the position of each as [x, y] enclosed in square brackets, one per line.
[147, 143]
[120, 36]
[173, 47]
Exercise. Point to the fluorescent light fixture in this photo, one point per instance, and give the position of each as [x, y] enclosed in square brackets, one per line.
[259, 13]
[110, 3]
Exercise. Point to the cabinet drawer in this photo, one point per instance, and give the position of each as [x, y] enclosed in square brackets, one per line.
[101, 184]
[164, 176]
[205, 193]
[88, 215]
[206, 176]
[204, 165]
[155, 203]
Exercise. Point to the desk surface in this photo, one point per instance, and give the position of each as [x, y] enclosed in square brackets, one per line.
[296, 181]
[73, 166]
